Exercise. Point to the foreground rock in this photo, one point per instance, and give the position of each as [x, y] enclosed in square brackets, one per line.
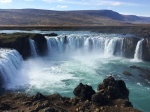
[112, 96]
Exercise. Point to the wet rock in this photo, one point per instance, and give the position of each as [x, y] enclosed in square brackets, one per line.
[113, 89]
[123, 89]
[41, 43]
[129, 45]
[146, 49]
[84, 92]
[127, 73]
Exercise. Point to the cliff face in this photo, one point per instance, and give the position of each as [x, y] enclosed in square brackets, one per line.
[40, 42]
[146, 49]
[20, 42]
[129, 46]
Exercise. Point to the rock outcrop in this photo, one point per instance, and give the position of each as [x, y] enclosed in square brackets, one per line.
[41, 43]
[86, 100]
[146, 49]
[20, 42]
[16, 41]
[129, 46]
[84, 92]
[113, 89]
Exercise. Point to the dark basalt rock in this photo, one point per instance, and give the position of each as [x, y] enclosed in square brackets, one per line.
[129, 46]
[16, 41]
[98, 99]
[84, 92]
[20, 42]
[41, 43]
[146, 49]
[113, 89]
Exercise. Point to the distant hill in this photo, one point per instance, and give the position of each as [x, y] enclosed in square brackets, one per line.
[52, 18]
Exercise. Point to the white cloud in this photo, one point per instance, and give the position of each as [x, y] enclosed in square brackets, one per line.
[62, 6]
[116, 3]
[5, 1]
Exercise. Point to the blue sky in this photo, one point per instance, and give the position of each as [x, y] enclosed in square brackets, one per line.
[129, 7]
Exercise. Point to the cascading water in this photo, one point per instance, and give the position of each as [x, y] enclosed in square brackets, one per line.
[33, 48]
[84, 43]
[10, 62]
[138, 50]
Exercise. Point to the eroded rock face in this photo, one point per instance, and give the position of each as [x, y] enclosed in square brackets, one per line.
[129, 46]
[20, 42]
[146, 49]
[16, 41]
[84, 92]
[41, 43]
[113, 89]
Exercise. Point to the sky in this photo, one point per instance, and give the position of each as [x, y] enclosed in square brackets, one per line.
[127, 7]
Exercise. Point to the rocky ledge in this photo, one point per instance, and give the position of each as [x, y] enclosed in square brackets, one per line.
[111, 96]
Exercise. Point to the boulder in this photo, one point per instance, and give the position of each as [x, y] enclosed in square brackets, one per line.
[113, 89]
[84, 92]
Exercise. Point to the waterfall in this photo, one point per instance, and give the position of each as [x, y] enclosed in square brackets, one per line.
[85, 44]
[33, 48]
[138, 50]
[10, 62]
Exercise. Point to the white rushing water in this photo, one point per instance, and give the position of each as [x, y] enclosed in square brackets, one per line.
[138, 50]
[10, 62]
[33, 48]
[107, 46]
